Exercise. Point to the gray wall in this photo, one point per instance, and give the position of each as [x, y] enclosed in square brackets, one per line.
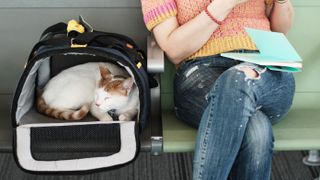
[23, 21]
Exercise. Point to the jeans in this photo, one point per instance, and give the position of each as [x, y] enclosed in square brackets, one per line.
[234, 113]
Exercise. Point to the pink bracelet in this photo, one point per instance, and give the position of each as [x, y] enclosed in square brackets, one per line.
[212, 17]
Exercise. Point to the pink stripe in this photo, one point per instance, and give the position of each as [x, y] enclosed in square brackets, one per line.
[159, 11]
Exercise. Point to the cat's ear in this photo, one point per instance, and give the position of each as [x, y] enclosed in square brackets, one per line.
[105, 73]
[127, 84]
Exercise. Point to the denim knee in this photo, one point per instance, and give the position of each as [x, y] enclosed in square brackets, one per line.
[233, 83]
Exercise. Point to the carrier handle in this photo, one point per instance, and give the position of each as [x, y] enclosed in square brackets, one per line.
[62, 27]
[55, 29]
[82, 39]
[50, 42]
[88, 38]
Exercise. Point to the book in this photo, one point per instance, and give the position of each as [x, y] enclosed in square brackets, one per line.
[275, 52]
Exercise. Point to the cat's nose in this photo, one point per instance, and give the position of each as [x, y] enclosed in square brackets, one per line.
[97, 104]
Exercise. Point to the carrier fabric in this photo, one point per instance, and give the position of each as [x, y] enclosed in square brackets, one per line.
[39, 75]
[127, 152]
[74, 142]
[44, 144]
[47, 144]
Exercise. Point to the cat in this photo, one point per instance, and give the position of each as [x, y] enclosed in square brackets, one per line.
[90, 87]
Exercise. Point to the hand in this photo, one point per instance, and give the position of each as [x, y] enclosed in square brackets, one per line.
[221, 8]
[231, 3]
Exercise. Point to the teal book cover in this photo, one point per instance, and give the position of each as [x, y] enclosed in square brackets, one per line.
[275, 52]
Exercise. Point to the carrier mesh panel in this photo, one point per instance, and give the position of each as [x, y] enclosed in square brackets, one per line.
[72, 142]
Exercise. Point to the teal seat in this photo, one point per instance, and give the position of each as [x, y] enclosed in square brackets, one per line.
[300, 130]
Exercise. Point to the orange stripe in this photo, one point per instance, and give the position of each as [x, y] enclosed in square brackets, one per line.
[157, 20]
[220, 45]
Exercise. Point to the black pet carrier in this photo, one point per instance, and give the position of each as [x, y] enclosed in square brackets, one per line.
[45, 144]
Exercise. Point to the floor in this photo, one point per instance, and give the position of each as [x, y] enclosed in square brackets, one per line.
[169, 166]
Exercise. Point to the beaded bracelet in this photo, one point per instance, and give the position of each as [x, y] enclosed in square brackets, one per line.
[212, 17]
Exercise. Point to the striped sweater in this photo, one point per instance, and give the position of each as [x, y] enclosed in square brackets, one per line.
[230, 35]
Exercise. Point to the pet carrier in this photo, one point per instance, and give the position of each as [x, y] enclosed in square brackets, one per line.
[45, 144]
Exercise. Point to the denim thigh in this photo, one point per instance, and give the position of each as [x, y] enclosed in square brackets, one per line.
[192, 83]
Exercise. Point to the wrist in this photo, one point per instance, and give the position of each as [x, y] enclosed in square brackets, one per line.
[212, 17]
[219, 9]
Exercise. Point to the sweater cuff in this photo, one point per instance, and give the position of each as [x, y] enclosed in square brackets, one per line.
[160, 13]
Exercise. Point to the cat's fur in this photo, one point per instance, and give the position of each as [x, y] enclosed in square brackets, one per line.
[94, 87]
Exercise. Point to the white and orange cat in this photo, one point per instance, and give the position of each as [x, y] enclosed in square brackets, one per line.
[94, 87]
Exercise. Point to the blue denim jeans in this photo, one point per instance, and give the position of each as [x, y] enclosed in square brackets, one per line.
[234, 113]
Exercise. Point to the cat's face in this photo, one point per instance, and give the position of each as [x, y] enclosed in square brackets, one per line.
[107, 100]
[111, 96]
[113, 92]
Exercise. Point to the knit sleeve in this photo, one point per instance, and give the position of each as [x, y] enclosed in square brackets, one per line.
[156, 11]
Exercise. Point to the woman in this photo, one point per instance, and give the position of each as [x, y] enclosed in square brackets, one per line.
[232, 103]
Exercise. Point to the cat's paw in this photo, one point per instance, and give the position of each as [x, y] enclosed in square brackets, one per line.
[124, 117]
[106, 118]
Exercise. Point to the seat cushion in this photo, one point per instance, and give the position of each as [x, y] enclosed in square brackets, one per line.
[299, 130]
